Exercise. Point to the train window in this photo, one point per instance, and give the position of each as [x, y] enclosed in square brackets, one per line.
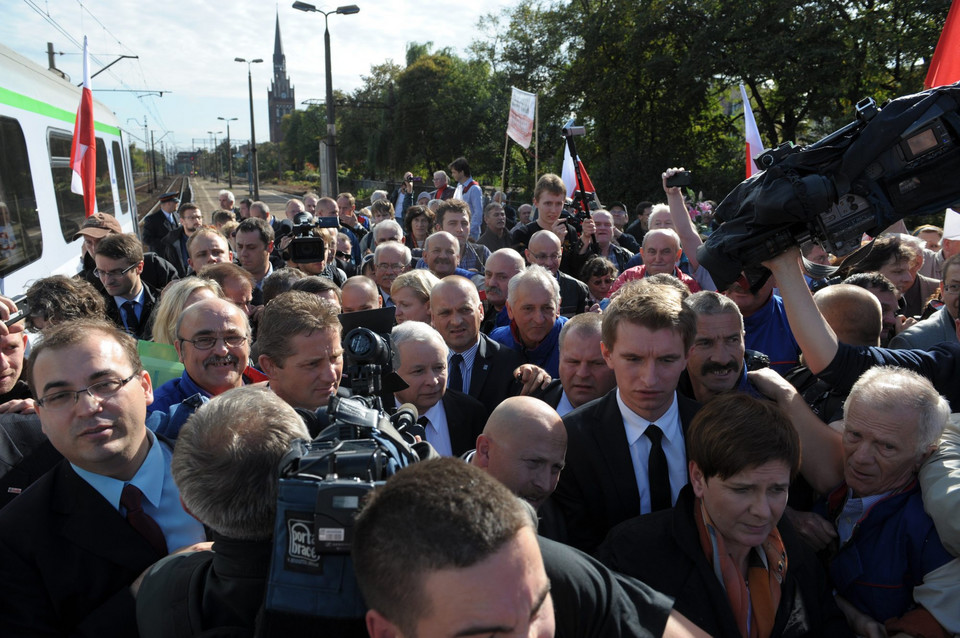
[121, 177]
[104, 189]
[69, 204]
[20, 239]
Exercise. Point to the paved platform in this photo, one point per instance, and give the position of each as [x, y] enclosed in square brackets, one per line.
[206, 196]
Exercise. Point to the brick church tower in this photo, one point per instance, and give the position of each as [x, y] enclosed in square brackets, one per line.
[280, 100]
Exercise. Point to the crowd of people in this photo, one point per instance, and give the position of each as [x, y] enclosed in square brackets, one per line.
[624, 450]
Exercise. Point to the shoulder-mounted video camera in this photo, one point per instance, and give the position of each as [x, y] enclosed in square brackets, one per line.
[898, 160]
[305, 247]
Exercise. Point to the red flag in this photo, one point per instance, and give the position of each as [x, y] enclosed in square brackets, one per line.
[83, 152]
[754, 144]
[945, 65]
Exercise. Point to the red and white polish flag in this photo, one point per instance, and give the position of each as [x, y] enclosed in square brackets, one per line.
[754, 145]
[83, 153]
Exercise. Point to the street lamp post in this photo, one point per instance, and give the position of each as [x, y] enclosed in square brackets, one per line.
[229, 149]
[253, 133]
[218, 166]
[331, 121]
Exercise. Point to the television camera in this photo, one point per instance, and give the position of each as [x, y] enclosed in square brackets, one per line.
[890, 162]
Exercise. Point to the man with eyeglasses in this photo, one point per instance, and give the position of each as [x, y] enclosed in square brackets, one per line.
[74, 545]
[545, 250]
[130, 301]
[213, 343]
[173, 247]
[390, 259]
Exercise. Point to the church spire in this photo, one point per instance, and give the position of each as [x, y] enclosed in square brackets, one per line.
[278, 57]
[280, 97]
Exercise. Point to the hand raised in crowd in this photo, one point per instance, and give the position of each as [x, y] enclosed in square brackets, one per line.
[532, 377]
[671, 190]
[7, 309]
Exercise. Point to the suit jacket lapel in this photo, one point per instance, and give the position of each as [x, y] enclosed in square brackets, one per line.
[460, 436]
[481, 366]
[88, 521]
[615, 451]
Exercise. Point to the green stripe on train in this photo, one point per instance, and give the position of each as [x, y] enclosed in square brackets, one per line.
[19, 101]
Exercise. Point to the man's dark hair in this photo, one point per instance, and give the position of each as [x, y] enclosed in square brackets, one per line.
[121, 246]
[280, 280]
[654, 307]
[735, 432]
[224, 272]
[70, 333]
[184, 207]
[884, 249]
[58, 298]
[289, 314]
[451, 206]
[872, 280]
[642, 206]
[439, 514]
[257, 225]
[315, 285]
[246, 201]
[222, 216]
[460, 164]
[597, 266]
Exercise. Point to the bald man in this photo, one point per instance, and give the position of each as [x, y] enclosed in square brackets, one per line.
[545, 250]
[360, 293]
[523, 446]
[855, 316]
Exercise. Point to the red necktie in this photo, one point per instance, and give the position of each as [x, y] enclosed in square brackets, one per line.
[132, 499]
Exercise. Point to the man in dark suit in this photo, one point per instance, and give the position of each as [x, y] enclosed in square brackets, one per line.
[129, 300]
[626, 454]
[452, 420]
[25, 454]
[477, 364]
[174, 244]
[443, 190]
[72, 545]
[158, 224]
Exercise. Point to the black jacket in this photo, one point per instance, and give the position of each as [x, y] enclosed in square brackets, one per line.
[598, 486]
[492, 378]
[663, 550]
[150, 298]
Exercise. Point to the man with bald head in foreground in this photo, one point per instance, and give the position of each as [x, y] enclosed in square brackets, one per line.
[523, 446]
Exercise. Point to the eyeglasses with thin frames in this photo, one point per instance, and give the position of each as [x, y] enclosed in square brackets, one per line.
[102, 390]
[111, 274]
[206, 343]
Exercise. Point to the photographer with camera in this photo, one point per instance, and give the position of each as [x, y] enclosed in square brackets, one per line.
[402, 197]
[548, 197]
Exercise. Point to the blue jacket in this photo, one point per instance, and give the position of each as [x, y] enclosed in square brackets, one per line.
[546, 355]
[768, 331]
[176, 390]
[894, 545]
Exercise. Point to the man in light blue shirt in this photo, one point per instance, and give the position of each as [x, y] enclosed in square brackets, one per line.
[469, 191]
[73, 545]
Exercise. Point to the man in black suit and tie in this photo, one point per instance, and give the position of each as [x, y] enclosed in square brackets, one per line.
[452, 419]
[477, 365]
[158, 224]
[618, 464]
[72, 545]
[130, 301]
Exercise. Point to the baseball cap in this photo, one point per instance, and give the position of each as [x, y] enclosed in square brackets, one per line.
[99, 225]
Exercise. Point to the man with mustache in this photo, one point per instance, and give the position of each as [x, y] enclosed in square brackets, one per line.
[500, 268]
[213, 342]
[715, 363]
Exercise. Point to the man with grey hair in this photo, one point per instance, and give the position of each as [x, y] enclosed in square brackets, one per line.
[227, 201]
[387, 230]
[533, 304]
[452, 420]
[890, 555]
[226, 466]
[715, 363]
[390, 259]
[443, 190]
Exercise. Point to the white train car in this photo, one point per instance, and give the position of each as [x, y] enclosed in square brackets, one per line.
[39, 215]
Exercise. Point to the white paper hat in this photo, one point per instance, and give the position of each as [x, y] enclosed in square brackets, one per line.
[951, 224]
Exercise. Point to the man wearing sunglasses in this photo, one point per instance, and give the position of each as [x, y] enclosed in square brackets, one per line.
[73, 546]
[213, 342]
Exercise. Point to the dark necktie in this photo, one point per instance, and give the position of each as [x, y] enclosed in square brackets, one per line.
[132, 499]
[420, 429]
[657, 472]
[456, 377]
[129, 309]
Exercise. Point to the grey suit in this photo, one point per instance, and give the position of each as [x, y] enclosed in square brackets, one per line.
[923, 335]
